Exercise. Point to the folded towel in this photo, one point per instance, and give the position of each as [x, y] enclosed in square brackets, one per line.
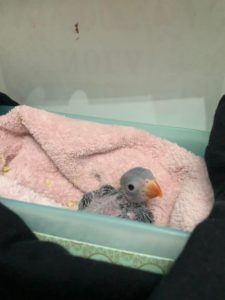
[9, 188]
[62, 158]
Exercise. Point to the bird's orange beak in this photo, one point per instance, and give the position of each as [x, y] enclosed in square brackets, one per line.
[152, 189]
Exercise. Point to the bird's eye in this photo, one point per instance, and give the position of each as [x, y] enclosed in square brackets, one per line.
[130, 187]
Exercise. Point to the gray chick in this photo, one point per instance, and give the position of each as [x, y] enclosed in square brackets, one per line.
[137, 186]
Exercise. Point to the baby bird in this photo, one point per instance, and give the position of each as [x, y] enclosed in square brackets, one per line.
[137, 186]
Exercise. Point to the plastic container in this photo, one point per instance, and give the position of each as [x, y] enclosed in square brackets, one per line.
[115, 240]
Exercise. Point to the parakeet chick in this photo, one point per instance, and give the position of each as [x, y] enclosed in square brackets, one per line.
[129, 201]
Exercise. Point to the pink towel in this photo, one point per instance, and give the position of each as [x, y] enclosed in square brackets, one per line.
[59, 159]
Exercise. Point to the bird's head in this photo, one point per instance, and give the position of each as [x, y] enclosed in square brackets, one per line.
[139, 185]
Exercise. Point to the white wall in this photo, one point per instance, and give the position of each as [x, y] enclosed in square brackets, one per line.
[2, 82]
[155, 61]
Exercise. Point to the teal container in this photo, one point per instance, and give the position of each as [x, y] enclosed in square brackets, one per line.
[129, 243]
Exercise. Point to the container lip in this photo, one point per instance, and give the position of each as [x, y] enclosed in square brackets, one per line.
[129, 223]
[6, 109]
[115, 232]
[128, 123]
[85, 216]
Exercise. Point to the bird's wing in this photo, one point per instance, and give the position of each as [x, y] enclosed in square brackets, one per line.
[104, 191]
[86, 200]
[143, 214]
